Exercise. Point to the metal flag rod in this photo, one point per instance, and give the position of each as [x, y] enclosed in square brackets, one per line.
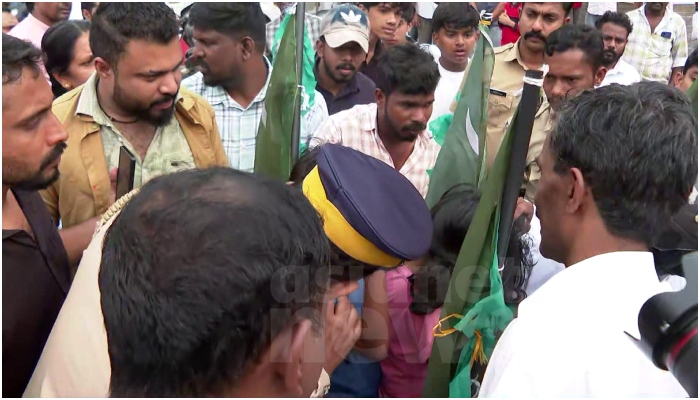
[518, 156]
[296, 129]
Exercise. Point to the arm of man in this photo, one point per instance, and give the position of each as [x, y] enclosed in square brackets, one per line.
[77, 238]
[679, 51]
[498, 11]
[327, 132]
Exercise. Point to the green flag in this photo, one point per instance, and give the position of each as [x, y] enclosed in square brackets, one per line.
[273, 152]
[460, 159]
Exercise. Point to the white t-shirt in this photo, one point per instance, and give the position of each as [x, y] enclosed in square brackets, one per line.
[450, 83]
[600, 7]
[425, 9]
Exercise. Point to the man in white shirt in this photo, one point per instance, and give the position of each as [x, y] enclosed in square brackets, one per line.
[620, 160]
[616, 28]
[455, 31]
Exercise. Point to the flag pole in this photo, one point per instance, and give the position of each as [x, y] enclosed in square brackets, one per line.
[518, 156]
[296, 128]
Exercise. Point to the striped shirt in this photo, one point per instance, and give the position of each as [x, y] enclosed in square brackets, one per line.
[357, 128]
[238, 125]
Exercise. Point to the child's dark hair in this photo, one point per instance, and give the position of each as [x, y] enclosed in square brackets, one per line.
[455, 16]
[452, 216]
[304, 165]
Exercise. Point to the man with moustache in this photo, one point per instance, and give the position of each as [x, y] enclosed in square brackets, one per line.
[537, 21]
[394, 129]
[616, 28]
[619, 163]
[132, 100]
[340, 51]
[35, 271]
[658, 44]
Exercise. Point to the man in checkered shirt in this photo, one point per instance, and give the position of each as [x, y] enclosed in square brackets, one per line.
[658, 44]
[234, 76]
[311, 22]
[394, 129]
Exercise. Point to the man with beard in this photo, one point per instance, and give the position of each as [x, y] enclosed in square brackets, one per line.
[129, 101]
[340, 51]
[234, 76]
[394, 129]
[658, 44]
[537, 21]
[619, 163]
[35, 271]
[616, 28]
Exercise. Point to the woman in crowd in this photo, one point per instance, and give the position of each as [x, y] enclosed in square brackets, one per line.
[416, 291]
[67, 55]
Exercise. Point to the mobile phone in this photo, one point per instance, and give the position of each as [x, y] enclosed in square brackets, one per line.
[125, 172]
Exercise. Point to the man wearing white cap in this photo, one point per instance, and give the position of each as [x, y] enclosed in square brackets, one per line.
[340, 50]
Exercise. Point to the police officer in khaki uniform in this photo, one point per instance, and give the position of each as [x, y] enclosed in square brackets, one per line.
[537, 21]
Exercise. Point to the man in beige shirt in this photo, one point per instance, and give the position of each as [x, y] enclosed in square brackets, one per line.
[537, 22]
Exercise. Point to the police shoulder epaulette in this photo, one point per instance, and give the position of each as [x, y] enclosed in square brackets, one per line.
[503, 49]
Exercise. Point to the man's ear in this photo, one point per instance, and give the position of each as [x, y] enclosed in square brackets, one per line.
[677, 78]
[435, 37]
[577, 190]
[380, 97]
[362, 7]
[248, 47]
[599, 76]
[285, 356]
[567, 20]
[102, 67]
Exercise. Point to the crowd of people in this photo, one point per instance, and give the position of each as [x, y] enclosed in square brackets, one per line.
[210, 280]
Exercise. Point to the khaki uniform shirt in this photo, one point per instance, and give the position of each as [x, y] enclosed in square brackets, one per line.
[508, 73]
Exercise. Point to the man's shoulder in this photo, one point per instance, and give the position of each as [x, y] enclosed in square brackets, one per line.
[503, 50]
[363, 82]
[358, 113]
[194, 83]
[64, 106]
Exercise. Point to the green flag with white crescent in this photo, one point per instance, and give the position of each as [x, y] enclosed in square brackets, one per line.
[474, 309]
[460, 159]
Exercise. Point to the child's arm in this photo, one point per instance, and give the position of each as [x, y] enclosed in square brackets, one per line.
[374, 340]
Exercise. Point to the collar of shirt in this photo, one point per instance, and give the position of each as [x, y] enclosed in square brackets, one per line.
[350, 88]
[89, 105]
[514, 54]
[217, 95]
[666, 23]
[605, 288]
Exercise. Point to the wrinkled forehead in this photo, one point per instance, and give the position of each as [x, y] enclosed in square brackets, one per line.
[544, 9]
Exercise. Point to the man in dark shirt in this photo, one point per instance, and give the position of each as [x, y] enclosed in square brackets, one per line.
[341, 50]
[35, 272]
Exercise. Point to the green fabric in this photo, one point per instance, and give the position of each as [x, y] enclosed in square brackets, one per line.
[457, 161]
[308, 79]
[693, 96]
[438, 127]
[273, 156]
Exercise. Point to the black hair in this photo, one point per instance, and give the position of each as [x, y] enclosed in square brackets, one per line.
[616, 18]
[304, 165]
[406, 7]
[233, 19]
[408, 11]
[199, 273]
[58, 47]
[17, 55]
[115, 24]
[87, 6]
[30, 6]
[567, 7]
[691, 62]
[407, 69]
[636, 148]
[455, 16]
[581, 37]
[452, 217]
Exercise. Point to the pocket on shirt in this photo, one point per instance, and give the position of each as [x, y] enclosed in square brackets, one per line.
[660, 47]
[176, 164]
[500, 109]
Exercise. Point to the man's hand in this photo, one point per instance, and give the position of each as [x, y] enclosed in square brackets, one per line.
[343, 328]
[524, 207]
[112, 186]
